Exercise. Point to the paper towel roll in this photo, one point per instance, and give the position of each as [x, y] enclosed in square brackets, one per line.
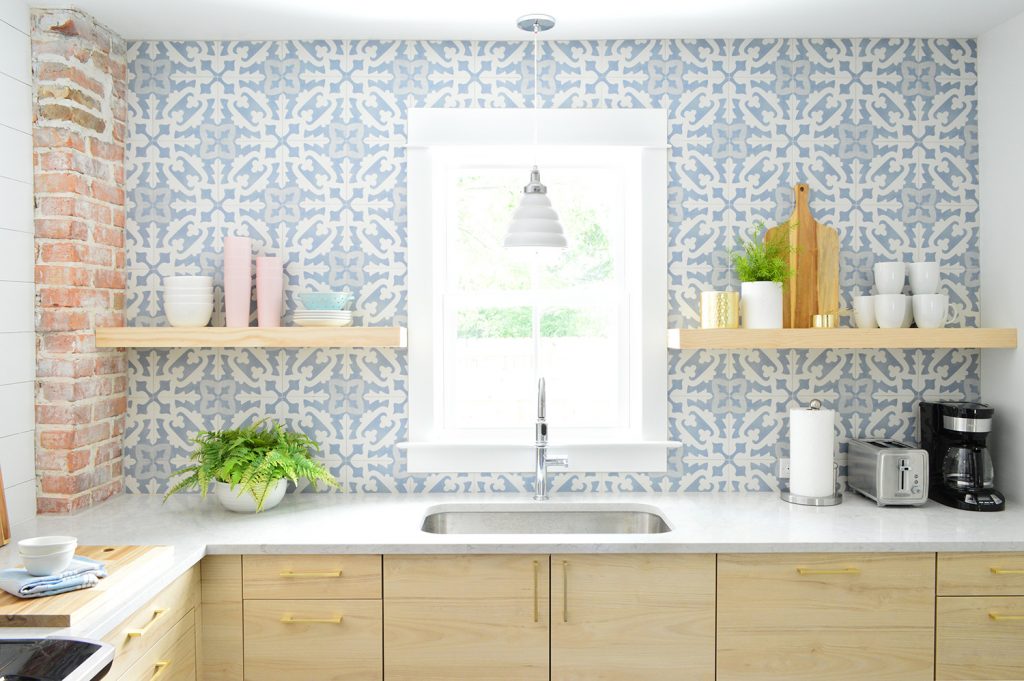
[811, 452]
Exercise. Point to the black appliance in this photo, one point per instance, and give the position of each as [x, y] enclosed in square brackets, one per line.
[960, 472]
[54, 659]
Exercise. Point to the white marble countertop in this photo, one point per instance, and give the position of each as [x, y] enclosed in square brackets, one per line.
[328, 523]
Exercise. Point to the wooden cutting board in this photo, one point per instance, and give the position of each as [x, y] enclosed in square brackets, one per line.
[128, 568]
[814, 288]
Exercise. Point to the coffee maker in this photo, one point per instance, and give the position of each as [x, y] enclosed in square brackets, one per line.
[960, 470]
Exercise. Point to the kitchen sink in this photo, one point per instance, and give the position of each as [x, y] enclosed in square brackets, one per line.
[545, 519]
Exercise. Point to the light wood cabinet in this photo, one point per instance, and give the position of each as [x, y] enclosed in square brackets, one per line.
[629, 617]
[326, 640]
[221, 631]
[311, 576]
[840, 617]
[981, 574]
[980, 638]
[148, 624]
[172, 658]
[449, 618]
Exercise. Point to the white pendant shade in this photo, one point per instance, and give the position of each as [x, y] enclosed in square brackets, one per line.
[535, 223]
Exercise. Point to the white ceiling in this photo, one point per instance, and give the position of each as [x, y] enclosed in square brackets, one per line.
[577, 19]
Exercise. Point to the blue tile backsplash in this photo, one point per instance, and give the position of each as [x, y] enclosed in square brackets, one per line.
[299, 144]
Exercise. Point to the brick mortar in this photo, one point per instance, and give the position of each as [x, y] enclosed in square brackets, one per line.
[78, 151]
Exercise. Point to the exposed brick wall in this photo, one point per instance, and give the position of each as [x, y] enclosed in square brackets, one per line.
[79, 73]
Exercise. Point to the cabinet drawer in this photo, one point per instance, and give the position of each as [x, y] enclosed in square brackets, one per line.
[979, 638]
[981, 574]
[172, 658]
[138, 633]
[326, 640]
[296, 577]
[834, 616]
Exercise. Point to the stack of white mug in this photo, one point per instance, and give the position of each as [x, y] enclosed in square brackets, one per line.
[891, 309]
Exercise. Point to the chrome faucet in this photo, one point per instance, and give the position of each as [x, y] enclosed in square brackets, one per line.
[541, 447]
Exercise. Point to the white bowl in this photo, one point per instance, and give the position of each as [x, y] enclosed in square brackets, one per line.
[188, 314]
[51, 564]
[246, 503]
[188, 280]
[188, 289]
[189, 297]
[42, 546]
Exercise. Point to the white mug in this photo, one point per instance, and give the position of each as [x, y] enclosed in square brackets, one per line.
[908, 313]
[864, 312]
[924, 277]
[932, 311]
[890, 277]
[890, 309]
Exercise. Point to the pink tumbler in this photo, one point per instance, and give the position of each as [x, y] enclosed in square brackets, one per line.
[237, 280]
[269, 290]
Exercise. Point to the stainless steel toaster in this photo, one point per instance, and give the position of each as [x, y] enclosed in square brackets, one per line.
[890, 472]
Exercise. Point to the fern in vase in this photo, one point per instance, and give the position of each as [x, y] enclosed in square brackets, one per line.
[252, 460]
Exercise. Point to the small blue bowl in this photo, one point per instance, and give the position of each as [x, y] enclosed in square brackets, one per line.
[330, 300]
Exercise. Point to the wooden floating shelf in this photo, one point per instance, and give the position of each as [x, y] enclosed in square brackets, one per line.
[252, 337]
[862, 339]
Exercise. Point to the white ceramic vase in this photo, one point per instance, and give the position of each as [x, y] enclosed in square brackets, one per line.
[246, 503]
[761, 304]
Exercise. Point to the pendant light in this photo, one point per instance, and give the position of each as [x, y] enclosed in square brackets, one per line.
[535, 223]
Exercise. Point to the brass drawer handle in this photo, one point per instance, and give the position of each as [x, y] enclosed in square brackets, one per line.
[139, 633]
[536, 591]
[330, 573]
[837, 571]
[565, 591]
[160, 667]
[996, 617]
[1003, 571]
[288, 619]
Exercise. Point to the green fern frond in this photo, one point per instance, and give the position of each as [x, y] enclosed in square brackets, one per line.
[758, 258]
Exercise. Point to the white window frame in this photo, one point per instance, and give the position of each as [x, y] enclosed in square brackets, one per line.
[638, 134]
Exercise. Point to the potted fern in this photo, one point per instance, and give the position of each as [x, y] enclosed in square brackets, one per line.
[763, 267]
[250, 467]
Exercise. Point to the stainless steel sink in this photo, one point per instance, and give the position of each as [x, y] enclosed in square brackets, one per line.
[545, 519]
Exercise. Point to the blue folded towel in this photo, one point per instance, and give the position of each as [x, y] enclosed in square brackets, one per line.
[82, 573]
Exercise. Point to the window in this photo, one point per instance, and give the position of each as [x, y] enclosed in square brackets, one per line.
[486, 322]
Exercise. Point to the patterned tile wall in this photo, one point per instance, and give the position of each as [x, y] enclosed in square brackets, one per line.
[300, 145]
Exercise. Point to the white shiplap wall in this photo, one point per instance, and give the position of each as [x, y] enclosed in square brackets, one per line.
[17, 329]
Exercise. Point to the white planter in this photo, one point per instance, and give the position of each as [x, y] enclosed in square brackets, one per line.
[246, 503]
[761, 304]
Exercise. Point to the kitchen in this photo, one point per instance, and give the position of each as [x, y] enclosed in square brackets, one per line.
[359, 238]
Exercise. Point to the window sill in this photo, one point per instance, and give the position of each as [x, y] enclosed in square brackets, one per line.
[482, 457]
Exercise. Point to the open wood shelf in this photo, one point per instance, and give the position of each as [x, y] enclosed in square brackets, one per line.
[866, 339]
[252, 337]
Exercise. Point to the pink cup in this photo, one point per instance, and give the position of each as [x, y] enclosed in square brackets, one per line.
[269, 290]
[237, 280]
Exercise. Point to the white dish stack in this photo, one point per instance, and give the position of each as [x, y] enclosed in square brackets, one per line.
[188, 300]
[890, 308]
[322, 317]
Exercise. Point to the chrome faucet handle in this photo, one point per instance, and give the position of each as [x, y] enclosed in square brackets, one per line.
[557, 460]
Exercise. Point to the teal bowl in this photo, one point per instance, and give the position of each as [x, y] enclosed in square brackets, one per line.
[330, 300]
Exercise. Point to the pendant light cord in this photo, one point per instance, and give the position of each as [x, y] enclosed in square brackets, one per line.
[536, 84]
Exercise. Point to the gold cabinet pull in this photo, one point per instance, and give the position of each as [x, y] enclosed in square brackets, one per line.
[139, 633]
[836, 571]
[1005, 618]
[288, 619]
[329, 573]
[160, 667]
[1004, 571]
[536, 591]
[565, 591]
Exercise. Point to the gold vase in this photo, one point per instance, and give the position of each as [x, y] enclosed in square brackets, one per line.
[720, 310]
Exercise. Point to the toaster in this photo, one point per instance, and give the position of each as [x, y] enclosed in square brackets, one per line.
[890, 472]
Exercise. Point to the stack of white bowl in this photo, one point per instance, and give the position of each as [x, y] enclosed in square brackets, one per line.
[890, 308]
[188, 300]
[47, 555]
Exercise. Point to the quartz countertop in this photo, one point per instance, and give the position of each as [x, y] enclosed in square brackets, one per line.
[390, 524]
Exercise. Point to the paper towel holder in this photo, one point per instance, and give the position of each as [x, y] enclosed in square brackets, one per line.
[834, 499]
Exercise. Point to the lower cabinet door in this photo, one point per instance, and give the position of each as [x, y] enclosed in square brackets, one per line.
[307, 640]
[463, 618]
[171, 658]
[979, 638]
[630, 617]
[826, 617]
